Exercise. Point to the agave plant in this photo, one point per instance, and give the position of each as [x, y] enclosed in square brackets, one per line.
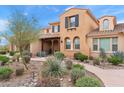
[53, 68]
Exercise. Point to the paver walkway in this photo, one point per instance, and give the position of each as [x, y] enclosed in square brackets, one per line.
[110, 77]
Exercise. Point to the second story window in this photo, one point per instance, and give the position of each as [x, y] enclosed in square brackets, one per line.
[72, 21]
[56, 28]
[105, 24]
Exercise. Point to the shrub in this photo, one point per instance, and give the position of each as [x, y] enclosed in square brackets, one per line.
[115, 60]
[76, 55]
[96, 61]
[76, 74]
[19, 71]
[87, 82]
[80, 56]
[3, 52]
[26, 56]
[11, 53]
[119, 54]
[50, 82]
[68, 64]
[91, 58]
[4, 59]
[53, 68]
[59, 55]
[78, 66]
[5, 73]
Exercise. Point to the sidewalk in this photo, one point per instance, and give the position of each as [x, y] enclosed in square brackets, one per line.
[110, 77]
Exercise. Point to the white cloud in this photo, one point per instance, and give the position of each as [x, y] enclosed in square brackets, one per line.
[3, 24]
[25, 13]
[73, 6]
[121, 21]
[52, 8]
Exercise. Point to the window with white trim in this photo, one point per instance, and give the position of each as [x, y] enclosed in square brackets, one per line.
[68, 43]
[114, 44]
[106, 24]
[95, 44]
[76, 43]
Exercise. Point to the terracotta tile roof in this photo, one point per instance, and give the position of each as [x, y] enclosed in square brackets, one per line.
[118, 28]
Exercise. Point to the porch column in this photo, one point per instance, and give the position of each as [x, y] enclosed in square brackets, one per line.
[58, 44]
[52, 41]
[41, 44]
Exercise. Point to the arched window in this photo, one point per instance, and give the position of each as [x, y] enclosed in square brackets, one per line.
[106, 24]
[76, 43]
[68, 43]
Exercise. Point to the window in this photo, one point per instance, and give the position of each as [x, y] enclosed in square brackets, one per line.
[95, 44]
[106, 24]
[105, 44]
[114, 44]
[55, 28]
[68, 43]
[76, 43]
[72, 21]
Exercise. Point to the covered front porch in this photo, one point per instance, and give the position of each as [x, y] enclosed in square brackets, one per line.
[50, 45]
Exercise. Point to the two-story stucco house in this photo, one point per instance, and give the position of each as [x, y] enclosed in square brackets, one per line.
[79, 31]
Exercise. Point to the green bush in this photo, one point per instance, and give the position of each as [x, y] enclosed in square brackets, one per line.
[115, 60]
[4, 59]
[78, 66]
[3, 52]
[69, 64]
[11, 53]
[119, 54]
[96, 61]
[5, 73]
[80, 56]
[59, 55]
[76, 74]
[91, 58]
[19, 71]
[87, 82]
[53, 68]
[50, 82]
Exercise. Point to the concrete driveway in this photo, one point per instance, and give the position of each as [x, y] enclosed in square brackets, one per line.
[110, 77]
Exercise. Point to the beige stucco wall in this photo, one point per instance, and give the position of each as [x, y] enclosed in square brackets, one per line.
[86, 24]
[121, 42]
[35, 47]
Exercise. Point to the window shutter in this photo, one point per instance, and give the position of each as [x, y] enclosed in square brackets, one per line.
[52, 28]
[58, 28]
[76, 20]
[66, 22]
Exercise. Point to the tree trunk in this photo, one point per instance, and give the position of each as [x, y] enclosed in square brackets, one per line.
[22, 59]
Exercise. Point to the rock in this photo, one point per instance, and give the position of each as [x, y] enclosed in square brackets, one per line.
[61, 79]
[69, 80]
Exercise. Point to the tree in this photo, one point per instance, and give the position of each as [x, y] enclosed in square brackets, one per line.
[23, 29]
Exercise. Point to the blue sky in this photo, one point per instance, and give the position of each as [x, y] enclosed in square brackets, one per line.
[50, 13]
